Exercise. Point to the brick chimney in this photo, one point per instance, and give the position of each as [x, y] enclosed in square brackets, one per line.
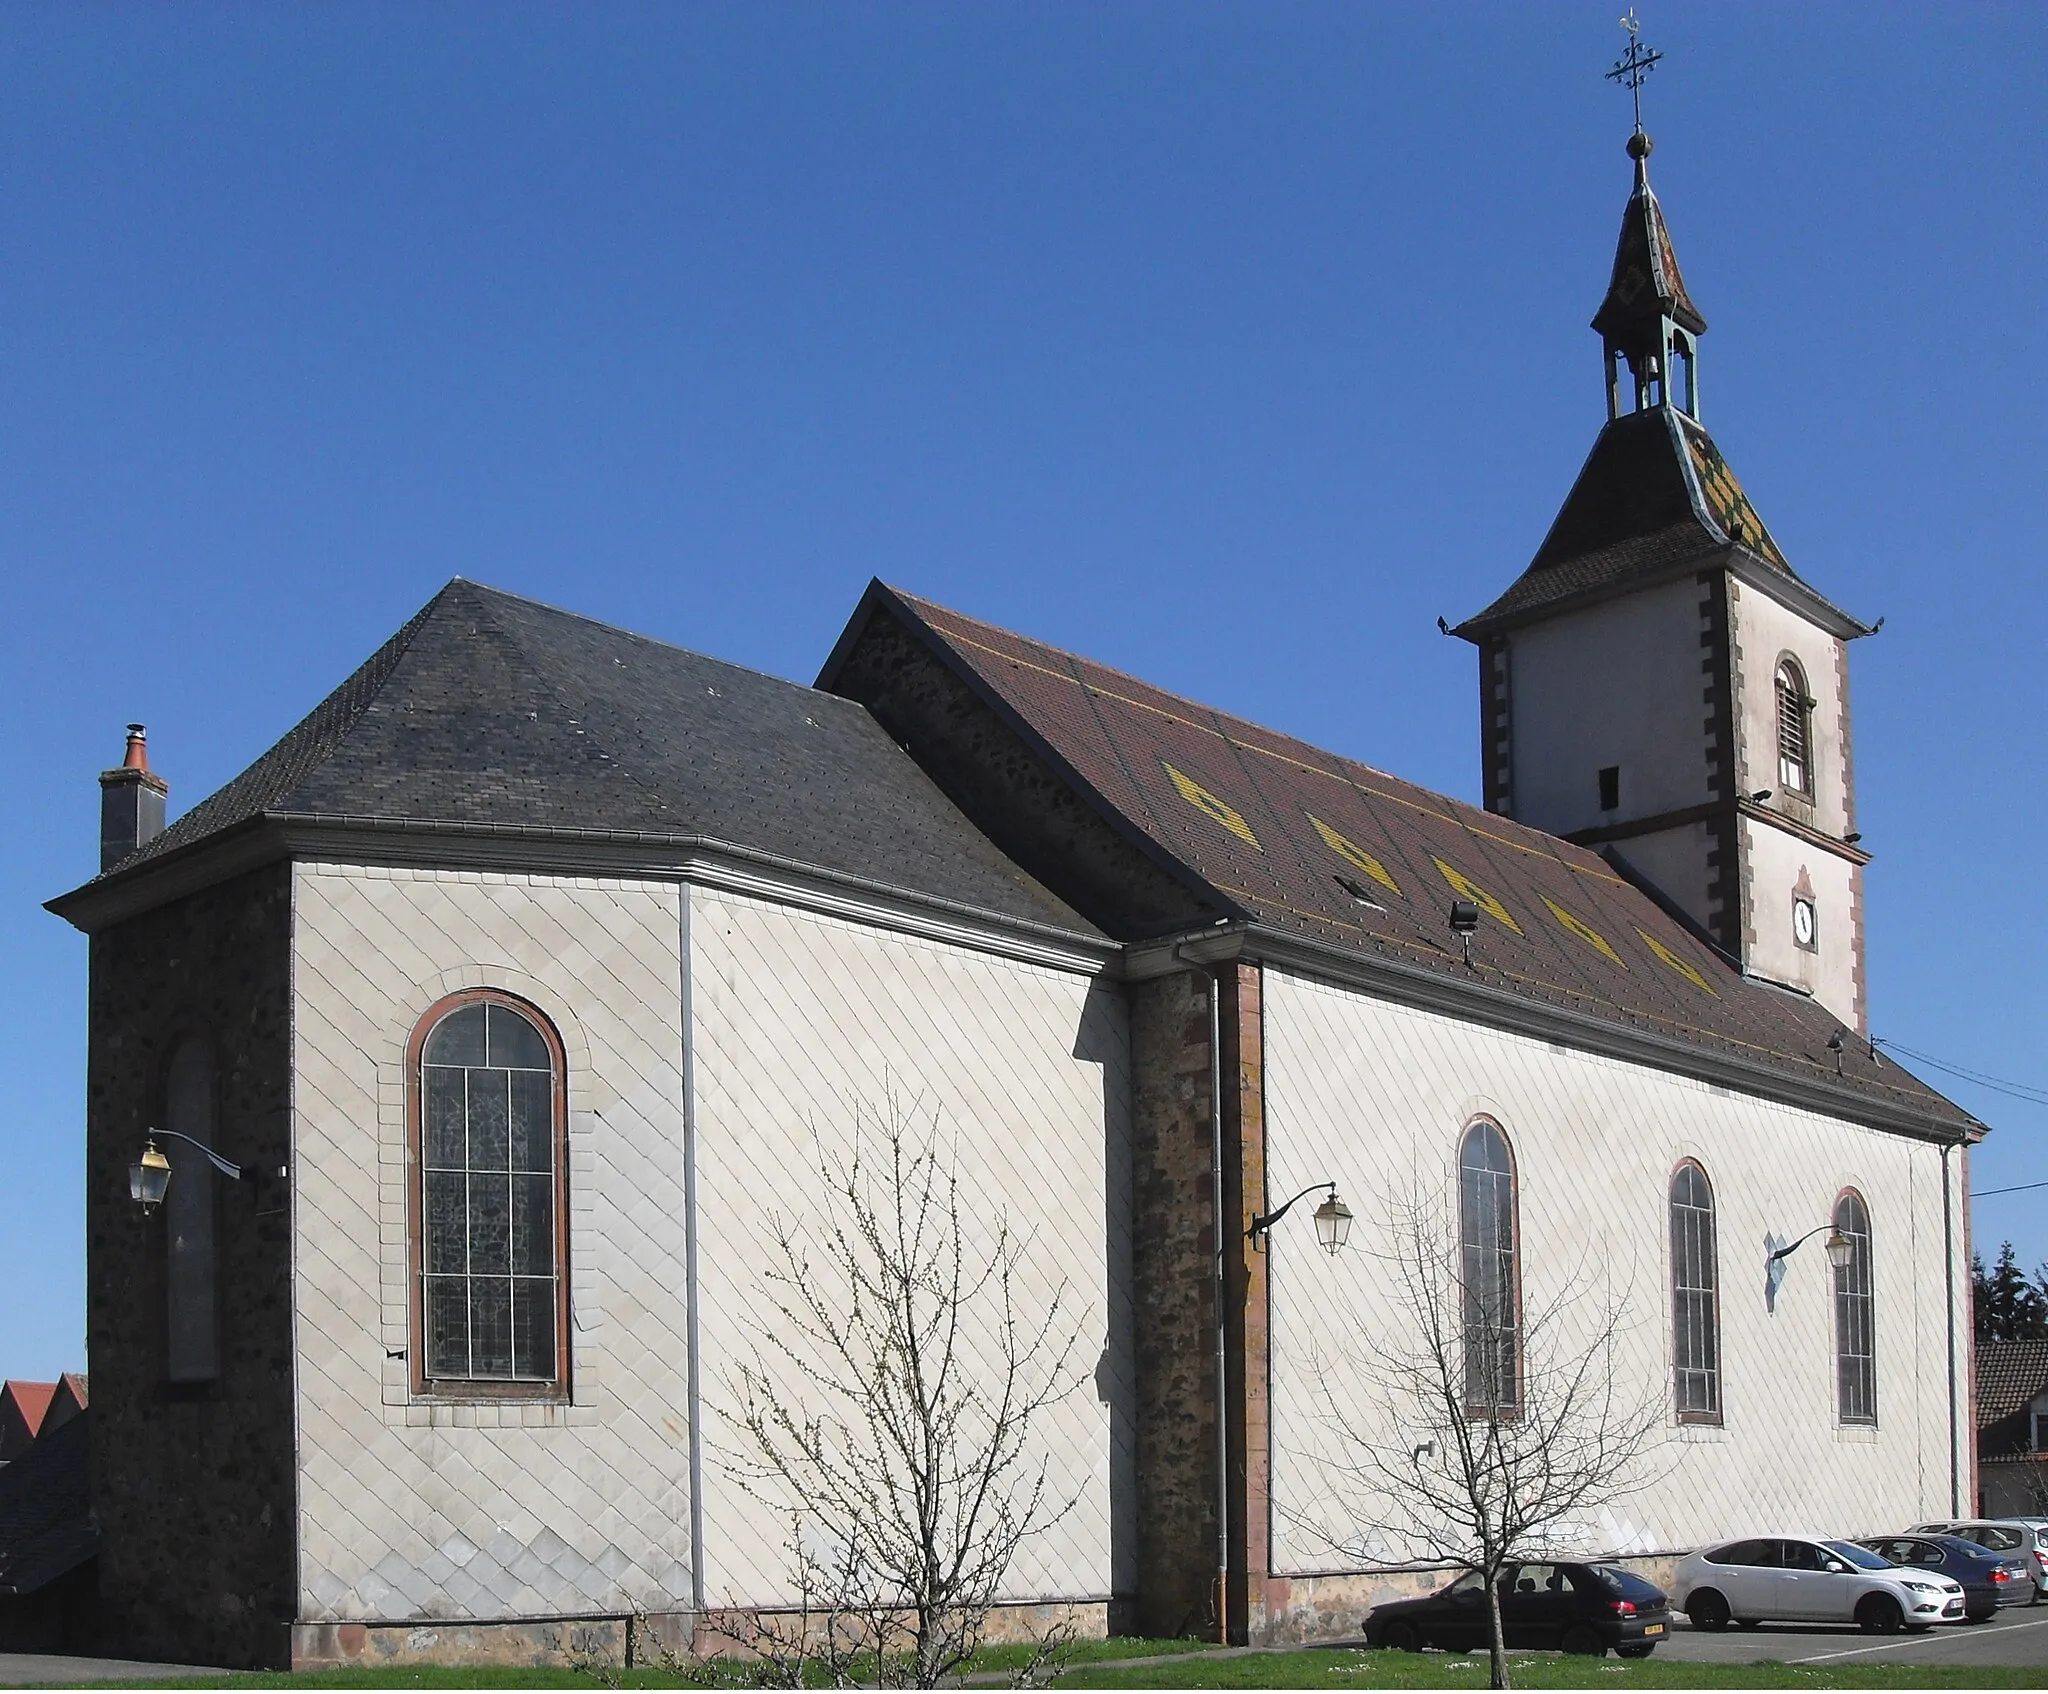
[131, 802]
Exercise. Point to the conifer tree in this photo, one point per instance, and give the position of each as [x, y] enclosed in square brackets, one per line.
[2009, 1306]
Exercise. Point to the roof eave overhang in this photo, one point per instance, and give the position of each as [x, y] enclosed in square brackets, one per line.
[1738, 561]
[698, 859]
[1794, 595]
[1711, 556]
[1477, 1001]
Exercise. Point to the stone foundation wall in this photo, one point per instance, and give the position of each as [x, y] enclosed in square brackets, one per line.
[616, 1641]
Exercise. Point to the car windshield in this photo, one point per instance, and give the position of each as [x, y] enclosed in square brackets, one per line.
[1862, 1557]
[1466, 1584]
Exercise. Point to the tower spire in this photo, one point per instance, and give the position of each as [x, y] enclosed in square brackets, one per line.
[1647, 321]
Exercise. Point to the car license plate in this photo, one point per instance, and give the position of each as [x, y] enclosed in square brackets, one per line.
[1653, 1629]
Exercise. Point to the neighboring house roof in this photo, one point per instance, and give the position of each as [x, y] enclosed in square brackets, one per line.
[1259, 825]
[46, 1526]
[2011, 1375]
[68, 1400]
[23, 1406]
[1654, 498]
[490, 713]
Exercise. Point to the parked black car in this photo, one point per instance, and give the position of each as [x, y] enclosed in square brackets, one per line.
[1990, 1578]
[1580, 1608]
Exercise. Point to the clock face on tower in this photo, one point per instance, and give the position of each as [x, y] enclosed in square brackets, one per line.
[1805, 927]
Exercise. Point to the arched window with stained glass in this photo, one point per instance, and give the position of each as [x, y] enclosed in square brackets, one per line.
[1855, 1316]
[1489, 1271]
[1695, 1298]
[489, 1205]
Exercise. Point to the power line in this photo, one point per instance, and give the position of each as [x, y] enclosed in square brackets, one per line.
[1998, 1084]
[1981, 1193]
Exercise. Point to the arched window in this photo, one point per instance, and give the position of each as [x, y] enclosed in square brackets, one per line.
[1489, 1271]
[1695, 1298]
[489, 1203]
[1855, 1317]
[1795, 730]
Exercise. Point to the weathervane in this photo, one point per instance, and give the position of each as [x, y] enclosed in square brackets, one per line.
[1635, 65]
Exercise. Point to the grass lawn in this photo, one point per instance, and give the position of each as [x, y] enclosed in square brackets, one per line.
[1191, 1664]
[1358, 1667]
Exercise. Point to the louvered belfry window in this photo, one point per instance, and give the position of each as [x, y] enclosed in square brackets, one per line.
[1695, 1298]
[489, 1203]
[1795, 731]
[1855, 1317]
[1489, 1272]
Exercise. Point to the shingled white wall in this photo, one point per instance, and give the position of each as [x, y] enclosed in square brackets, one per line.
[804, 1024]
[1376, 1096]
[413, 1511]
[410, 1511]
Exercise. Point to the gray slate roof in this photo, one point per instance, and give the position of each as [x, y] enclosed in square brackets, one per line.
[488, 709]
[46, 1525]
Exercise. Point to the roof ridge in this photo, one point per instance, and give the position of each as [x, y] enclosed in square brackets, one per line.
[1197, 709]
[584, 618]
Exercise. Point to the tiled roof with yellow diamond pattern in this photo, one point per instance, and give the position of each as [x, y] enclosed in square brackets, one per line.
[1292, 835]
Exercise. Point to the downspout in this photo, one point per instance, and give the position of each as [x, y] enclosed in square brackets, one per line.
[690, 1269]
[1948, 1267]
[1222, 1311]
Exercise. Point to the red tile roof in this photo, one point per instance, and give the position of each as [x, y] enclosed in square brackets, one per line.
[2009, 1375]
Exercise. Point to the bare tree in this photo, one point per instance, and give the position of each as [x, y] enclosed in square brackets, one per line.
[897, 1377]
[1496, 1428]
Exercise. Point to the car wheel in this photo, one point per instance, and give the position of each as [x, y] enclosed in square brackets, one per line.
[1707, 1610]
[1583, 1639]
[1402, 1638]
[1879, 1614]
[1641, 1650]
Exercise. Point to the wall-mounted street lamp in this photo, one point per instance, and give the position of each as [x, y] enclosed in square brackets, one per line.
[1333, 1220]
[150, 1175]
[1840, 1250]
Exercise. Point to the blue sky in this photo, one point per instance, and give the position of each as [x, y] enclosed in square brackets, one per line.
[1230, 344]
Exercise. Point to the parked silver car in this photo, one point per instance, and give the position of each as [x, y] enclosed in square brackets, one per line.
[1808, 1579]
[2025, 1536]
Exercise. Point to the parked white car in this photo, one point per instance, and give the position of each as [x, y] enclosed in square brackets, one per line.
[2028, 1536]
[1808, 1579]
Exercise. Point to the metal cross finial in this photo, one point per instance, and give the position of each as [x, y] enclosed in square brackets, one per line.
[1635, 65]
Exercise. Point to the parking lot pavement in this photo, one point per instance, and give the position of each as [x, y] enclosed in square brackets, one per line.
[68, 1670]
[2015, 1637]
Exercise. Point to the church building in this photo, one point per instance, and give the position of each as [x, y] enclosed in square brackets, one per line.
[488, 1022]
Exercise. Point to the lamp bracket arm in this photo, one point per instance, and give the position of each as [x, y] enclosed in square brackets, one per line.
[1262, 1222]
[227, 1167]
[1792, 1247]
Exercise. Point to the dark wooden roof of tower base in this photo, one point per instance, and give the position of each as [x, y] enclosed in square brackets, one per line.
[1153, 814]
[495, 715]
[1654, 500]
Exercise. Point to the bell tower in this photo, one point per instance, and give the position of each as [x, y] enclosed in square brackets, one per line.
[1660, 683]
